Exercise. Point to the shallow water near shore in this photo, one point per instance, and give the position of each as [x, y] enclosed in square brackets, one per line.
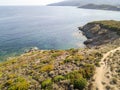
[45, 27]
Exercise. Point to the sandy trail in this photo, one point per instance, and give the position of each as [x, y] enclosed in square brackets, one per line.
[101, 71]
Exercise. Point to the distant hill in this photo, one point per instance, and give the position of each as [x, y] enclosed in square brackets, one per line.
[66, 3]
[84, 2]
[102, 7]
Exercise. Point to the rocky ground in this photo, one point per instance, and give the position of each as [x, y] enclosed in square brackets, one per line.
[49, 70]
[107, 76]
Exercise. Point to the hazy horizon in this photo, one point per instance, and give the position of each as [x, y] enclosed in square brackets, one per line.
[27, 2]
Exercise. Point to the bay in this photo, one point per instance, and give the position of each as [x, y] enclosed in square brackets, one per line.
[45, 27]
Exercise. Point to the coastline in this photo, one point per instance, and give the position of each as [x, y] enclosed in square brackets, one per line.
[97, 34]
[61, 69]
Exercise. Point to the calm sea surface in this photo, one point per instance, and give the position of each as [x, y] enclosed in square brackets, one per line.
[45, 27]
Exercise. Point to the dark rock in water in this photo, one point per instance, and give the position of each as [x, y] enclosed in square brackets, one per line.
[88, 41]
[31, 49]
[80, 28]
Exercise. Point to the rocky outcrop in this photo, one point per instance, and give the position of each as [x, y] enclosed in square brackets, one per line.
[97, 34]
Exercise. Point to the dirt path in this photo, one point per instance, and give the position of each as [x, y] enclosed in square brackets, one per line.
[100, 75]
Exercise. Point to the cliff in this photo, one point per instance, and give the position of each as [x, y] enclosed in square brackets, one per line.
[101, 32]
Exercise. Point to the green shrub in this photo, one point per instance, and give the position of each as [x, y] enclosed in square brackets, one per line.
[97, 54]
[18, 84]
[73, 51]
[80, 83]
[47, 84]
[1, 74]
[73, 75]
[58, 78]
[68, 59]
[97, 64]
[47, 68]
[88, 71]
[56, 54]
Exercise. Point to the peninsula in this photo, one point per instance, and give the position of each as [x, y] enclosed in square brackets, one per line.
[101, 7]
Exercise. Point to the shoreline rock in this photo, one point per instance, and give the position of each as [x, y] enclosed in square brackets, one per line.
[32, 49]
[97, 34]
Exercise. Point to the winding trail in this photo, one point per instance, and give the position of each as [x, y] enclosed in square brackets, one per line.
[101, 71]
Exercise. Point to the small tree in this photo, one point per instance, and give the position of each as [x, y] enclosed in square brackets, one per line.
[80, 83]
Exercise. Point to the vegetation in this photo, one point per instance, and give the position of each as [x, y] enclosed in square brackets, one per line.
[80, 83]
[47, 68]
[47, 84]
[18, 83]
[77, 80]
[42, 69]
[59, 78]
[110, 24]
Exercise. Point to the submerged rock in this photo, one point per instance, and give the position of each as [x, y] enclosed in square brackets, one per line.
[32, 49]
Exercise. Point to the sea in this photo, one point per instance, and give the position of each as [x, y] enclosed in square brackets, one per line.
[45, 27]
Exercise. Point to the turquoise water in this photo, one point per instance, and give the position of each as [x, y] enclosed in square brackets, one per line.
[44, 27]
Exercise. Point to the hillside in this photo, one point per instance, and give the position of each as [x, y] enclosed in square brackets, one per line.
[69, 69]
[66, 3]
[85, 2]
[101, 7]
[52, 70]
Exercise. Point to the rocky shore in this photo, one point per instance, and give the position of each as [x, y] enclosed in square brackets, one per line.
[99, 34]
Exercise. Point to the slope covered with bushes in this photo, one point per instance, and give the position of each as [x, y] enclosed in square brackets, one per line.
[110, 24]
[53, 69]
